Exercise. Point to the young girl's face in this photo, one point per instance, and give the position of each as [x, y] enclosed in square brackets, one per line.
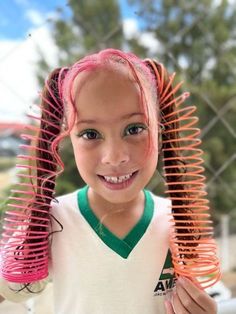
[111, 136]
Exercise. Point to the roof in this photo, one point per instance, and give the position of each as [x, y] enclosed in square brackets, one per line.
[11, 125]
[11, 128]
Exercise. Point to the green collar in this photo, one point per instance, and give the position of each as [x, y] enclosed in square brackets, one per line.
[124, 246]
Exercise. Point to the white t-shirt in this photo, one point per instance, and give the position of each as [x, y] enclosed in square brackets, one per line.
[95, 272]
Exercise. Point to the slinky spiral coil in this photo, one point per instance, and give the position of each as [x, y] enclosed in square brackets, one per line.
[194, 252]
[24, 242]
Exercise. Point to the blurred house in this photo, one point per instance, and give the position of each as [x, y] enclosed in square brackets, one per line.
[10, 139]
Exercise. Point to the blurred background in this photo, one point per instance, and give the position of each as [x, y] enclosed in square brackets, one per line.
[196, 39]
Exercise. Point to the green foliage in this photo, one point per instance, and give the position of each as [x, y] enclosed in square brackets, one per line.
[6, 163]
[93, 25]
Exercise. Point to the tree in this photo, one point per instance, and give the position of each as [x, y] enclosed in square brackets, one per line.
[90, 26]
[197, 39]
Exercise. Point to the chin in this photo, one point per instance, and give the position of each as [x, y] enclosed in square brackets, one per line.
[119, 196]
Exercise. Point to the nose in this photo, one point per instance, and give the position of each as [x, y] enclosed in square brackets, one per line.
[115, 153]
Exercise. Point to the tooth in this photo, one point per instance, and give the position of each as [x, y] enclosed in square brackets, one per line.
[118, 179]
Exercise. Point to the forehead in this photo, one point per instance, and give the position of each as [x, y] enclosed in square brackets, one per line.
[107, 92]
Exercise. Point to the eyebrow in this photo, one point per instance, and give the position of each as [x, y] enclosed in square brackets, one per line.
[125, 117]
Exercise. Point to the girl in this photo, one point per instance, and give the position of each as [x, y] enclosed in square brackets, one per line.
[112, 254]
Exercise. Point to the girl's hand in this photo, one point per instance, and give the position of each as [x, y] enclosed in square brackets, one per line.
[189, 299]
[1, 299]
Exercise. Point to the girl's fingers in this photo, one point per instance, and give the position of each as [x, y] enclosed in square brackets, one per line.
[187, 298]
[205, 303]
[177, 305]
[169, 307]
[187, 301]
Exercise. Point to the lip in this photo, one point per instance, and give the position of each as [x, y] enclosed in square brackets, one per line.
[116, 174]
[118, 186]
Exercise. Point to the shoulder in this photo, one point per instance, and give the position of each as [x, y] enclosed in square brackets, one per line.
[65, 203]
[161, 204]
[65, 210]
[63, 199]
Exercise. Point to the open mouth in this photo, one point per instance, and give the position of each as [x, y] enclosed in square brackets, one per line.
[118, 180]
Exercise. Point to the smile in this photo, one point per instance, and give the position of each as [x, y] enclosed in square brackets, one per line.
[118, 179]
[118, 182]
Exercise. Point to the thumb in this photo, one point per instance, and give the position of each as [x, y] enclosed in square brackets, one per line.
[169, 307]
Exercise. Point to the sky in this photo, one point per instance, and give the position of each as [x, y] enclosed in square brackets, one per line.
[24, 25]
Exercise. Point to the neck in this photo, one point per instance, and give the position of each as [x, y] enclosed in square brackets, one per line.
[101, 206]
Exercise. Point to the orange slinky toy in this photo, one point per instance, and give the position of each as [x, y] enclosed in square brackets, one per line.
[192, 245]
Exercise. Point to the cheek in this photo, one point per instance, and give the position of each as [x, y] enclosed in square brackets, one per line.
[85, 165]
[81, 155]
[83, 158]
[86, 159]
[145, 150]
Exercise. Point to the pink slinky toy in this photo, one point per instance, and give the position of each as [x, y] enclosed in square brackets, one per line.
[25, 243]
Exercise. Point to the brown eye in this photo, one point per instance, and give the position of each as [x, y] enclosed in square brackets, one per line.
[135, 129]
[90, 134]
